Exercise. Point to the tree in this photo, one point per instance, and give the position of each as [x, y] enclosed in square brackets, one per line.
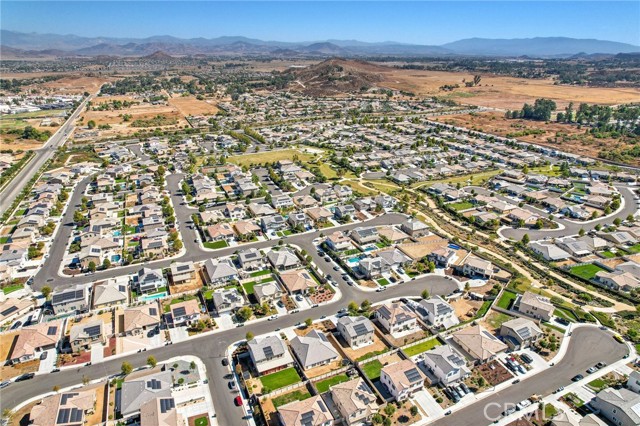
[249, 335]
[151, 361]
[377, 419]
[353, 307]
[308, 322]
[425, 294]
[192, 366]
[413, 410]
[525, 239]
[617, 221]
[365, 305]
[390, 409]
[126, 368]
[91, 124]
[581, 232]
[387, 422]
[46, 291]
[92, 266]
[106, 263]
[244, 313]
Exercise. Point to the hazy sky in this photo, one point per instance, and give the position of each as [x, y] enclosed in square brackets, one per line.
[431, 22]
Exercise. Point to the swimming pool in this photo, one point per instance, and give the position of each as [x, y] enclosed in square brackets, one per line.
[148, 297]
[353, 260]
[116, 258]
[454, 247]
[117, 233]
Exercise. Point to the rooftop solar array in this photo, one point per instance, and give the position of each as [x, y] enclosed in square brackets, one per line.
[69, 415]
[268, 351]
[360, 329]
[153, 311]
[180, 311]
[51, 331]
[66, 396]
[9, 310]
[307, 418]
[154, 384]
[167, 404]
[413, 375]
[183, 268]
[524, 332]
[67, 296]
[92, 331]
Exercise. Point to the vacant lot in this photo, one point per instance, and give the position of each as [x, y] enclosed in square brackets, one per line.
[563, 136]
[502, 92]
[189, 105]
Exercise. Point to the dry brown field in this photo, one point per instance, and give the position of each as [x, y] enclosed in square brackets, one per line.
[189, 105]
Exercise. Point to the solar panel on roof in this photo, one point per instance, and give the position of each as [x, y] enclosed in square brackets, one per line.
[307, 418]
[167, 404]
[76, 415]
[153, 311]
[154, 384]
[524, 332]
[360, 329]
[66, 396]
[180, 311]
[63, 415]
[9, 310]
[413, 375]
[51, 331]
[92, 331]
[321, 405]
[268, 351]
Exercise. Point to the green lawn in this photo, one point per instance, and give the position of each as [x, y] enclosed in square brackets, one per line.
[563, 313]
[587, 271]
[549, 411]
[462, 205]
[280, 379]
[248, 287]
[422, 347]
[496, 319]
[372, 369]
[201, 421]
[597, 384]
[507, 299]
[298, 395]
[216, 244]
[383, 281]
[268, 157]
[258, 273]
[608, 254]
[372, 354]
[4, 239]
[325, 384]
[634, 249]
[11, 288]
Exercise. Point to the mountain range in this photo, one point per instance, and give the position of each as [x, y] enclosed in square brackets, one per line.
[22, 45]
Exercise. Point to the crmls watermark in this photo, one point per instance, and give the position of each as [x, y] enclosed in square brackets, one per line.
[508, 408]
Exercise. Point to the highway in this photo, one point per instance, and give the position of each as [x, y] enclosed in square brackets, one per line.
[41, 156]
[588, 346]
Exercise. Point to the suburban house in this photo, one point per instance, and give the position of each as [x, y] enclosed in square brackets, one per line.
[227, 300]
[33, 340]
[618, 280]
[364, 235]
[519, 333]
[415, 228]
[64, 409]
[446, 364]
[273, 223]
[619, 406]
[82, 336]
[185, 313]
[149, 280]
[138, 319]
[356, 331]
[313, 350]
[219, 271]
[182, 272]
[258, 210]
[373, 267]
[221, 232]
[269, 354]
[298, 219]
[267, 292]
[250, 259]
[140, 388]
[283, 259]
[355, 401]
[281, 202]
[160, 412]
[437, 312]
[297, 281]
[308, 412]
[474, 266]
[110, 292]
[74, 299]
[548, 251]
[234, 211]
[338, 241]
[402, 379]
[396, 318]
[535, 306]
[344, 211]
[481, 345]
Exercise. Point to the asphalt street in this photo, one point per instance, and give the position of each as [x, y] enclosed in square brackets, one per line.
[571, 227]
[588, 346]
[13, 189]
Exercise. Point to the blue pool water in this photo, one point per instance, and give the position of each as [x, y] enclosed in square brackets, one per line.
[370, 248]
[148, 297]
[353, 260]
[454, 247]
[117, 233]
[116, 258]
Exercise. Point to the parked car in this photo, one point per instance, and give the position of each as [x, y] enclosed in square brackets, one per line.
[225, 362]
[523, 404]
[26, 376]
[232, 384]
[601, 364]
[526, 358]
[577, 378]
[591, 370]
[238, 401]
[4, 384]
[560, 389]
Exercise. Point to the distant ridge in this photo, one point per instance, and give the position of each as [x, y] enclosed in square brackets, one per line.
[39, 45]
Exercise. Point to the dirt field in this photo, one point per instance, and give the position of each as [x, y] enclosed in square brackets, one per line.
[354, 354]
[462, 307]
[76, 84]
[189, 105]
[7, 371]
[502, 92]
[323, 369]
[576, 141]
[6, 343]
